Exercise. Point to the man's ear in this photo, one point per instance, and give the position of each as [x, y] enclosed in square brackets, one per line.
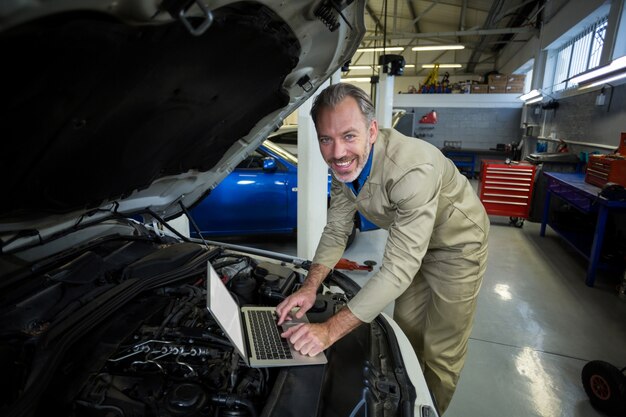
[373, 131]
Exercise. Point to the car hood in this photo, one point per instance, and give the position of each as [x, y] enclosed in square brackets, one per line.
[117, 107]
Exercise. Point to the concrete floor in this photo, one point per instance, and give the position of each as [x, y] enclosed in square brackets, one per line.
[537, 324]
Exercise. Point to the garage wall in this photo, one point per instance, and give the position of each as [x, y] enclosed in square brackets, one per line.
[481, 128]
[579, 119]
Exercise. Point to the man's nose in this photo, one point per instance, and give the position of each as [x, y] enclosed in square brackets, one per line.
[339, 149]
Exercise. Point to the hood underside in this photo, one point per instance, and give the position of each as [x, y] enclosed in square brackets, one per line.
[119, 109]
[104, 108]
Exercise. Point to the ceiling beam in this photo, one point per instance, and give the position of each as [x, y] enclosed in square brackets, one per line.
[428, 9]
[473, 32]
[496, 8]
[375, 18]
[462, 18]
[416, 25]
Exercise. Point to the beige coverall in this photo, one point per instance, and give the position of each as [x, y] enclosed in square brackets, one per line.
[434, 258]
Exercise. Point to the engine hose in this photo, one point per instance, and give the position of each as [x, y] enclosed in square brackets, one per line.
[230, 400]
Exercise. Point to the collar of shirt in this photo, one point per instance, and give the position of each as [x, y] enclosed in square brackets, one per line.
[363, 175]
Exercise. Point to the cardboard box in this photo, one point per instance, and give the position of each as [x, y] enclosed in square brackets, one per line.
[479, 89]
[497, 79]
[499, 89]
[515, 87]
[516, 78]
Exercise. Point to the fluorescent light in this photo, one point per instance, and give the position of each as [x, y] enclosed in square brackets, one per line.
[442, 65]
[358, 79]
[604, 81]
[530, 95]
[381, 49]
[369, 67]
[359, 67]
[437, 47]
[615, 65]
[534, 100]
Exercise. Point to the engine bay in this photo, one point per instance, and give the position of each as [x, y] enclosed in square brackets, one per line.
[122, 329]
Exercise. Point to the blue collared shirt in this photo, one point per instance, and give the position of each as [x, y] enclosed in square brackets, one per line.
[364, 174]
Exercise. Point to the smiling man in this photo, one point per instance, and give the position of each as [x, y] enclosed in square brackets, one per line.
[436, 252]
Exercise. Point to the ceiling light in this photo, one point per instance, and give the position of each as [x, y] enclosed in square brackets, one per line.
[530, 95]
[442, 65]
[605, 81]
[382, 49]
[358, 79]
[615, 65]
[359, 67]
[369, 67]
[437, 47]
[535, 100]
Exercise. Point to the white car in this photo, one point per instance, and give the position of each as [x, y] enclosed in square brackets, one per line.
[116, 118]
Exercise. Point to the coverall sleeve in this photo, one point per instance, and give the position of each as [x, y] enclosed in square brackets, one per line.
[414, 197]
[339, 224]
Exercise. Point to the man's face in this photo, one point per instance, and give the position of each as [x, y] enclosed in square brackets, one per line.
[345, 139]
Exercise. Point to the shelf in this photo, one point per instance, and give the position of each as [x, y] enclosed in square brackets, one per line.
[458, 100]
[587, 228]
[582, 243]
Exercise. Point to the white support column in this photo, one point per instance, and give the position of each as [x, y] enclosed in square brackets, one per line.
[614, 38]
[384, 100]
[312, 183]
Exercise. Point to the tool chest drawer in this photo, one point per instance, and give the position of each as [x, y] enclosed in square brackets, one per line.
[506, 189]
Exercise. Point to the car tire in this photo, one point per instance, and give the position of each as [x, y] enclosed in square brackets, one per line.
[605, 386]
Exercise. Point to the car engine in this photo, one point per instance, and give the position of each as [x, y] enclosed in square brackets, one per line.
[179, 362]
[157, 353]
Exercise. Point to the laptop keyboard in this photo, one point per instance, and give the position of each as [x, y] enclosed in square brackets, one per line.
[266, 336]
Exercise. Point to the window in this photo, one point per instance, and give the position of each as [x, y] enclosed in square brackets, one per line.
[578, 55]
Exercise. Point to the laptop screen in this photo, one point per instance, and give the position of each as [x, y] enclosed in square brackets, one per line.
[225, 310]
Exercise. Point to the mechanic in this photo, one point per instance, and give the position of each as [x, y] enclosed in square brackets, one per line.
[436, 251]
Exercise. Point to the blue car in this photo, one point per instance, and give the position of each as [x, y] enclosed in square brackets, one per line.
[258, 197]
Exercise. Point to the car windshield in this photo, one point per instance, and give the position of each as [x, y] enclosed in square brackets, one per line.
[281, 151]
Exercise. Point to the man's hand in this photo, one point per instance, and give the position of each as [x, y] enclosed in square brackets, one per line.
[304, 298]
[312, 338]
[309, 339]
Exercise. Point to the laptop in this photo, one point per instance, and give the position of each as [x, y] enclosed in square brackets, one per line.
[240, 326]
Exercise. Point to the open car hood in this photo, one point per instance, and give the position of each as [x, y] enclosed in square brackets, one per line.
[116, 107]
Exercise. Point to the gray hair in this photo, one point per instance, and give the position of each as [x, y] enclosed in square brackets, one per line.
[332, 95]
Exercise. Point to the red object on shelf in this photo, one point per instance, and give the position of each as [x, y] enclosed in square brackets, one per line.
[429, 118]
[507, 189]
[351, 265]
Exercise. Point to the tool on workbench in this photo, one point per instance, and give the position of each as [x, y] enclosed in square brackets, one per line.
[351, 265]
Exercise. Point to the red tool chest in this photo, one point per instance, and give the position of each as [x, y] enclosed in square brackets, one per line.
[506, 188]
[608, 168]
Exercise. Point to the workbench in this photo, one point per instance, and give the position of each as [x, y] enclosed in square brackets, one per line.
[584, 198]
